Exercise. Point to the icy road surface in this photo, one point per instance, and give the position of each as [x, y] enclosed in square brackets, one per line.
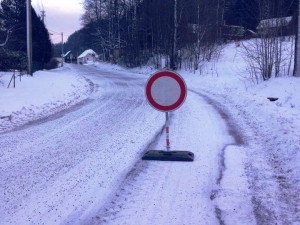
[82, 166]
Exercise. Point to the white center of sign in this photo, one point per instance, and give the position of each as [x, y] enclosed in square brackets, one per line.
[165, 91]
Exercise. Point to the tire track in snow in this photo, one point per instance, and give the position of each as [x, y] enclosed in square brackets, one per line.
[238, 141]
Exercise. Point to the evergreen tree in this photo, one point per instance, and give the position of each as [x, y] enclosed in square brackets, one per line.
[13, 16]
[243, 13]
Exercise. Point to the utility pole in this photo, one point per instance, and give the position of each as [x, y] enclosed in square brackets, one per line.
[43, 16]
[62, 49]
[29, 36]
[173, 60]
[297, 45]
[175, 34]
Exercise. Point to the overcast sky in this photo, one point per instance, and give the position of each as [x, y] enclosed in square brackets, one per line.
[61, 16]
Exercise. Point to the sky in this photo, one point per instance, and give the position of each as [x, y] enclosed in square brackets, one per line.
[61, 16]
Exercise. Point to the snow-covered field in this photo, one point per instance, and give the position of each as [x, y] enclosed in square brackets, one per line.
[83, 165]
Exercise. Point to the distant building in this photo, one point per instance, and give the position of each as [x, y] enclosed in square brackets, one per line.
[66, 56]
[88, 56]
[282, 26]
[70, 58]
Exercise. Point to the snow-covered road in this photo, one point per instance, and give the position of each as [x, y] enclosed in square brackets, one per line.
[58, 168]
[82, 166]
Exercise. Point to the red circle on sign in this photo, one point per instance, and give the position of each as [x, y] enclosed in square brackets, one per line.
[182, 86]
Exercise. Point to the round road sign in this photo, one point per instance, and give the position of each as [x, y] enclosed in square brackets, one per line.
[166, 91]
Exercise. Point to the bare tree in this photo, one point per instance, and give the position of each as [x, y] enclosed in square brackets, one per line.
[93, 10]
[144, 29]
[207, 44]
[266, 55]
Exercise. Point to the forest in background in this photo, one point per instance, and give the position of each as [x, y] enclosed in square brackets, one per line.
[185, 33]
[130, 32]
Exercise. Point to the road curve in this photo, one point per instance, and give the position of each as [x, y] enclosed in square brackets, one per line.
[83, 165]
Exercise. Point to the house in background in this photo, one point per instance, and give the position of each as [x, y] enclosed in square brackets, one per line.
[88, 56]
[282, 26]
[70, 58]
[66, 56]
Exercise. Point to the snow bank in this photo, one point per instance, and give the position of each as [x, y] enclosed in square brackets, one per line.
[284, 88]
[35, 97]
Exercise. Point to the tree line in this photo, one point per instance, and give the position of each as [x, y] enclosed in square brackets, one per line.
[131, 32]
[13, 53]
[180, 32]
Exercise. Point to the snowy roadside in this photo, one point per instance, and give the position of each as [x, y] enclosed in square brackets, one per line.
[273, 170]
[44, 94]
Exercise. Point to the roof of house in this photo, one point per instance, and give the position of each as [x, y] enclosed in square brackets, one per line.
[65, 55]
[250, 31]
[87, 52]
[275, 22]
[233, 26]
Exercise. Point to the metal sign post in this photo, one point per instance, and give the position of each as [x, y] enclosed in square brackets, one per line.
[166, 92]
[167, 132]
